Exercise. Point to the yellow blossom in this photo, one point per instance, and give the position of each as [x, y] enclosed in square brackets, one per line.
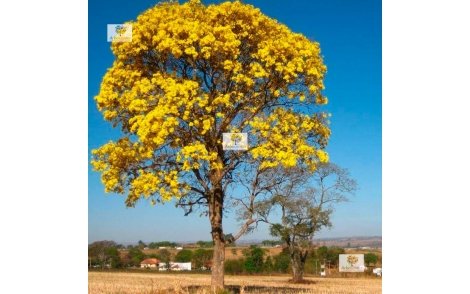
[192, 71]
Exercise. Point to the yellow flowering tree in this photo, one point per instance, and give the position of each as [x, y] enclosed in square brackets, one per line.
[191, 73]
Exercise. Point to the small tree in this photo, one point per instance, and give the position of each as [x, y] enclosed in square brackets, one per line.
[103, 253]
[202, 258]
[370, 259]
[114, 260]
[165, 257]
[305, 211]
[254, 259]
[235, 266]
[184, 256]
[141, 245]
[268, 265]
[135, 256]
[282, 261]
[328, 254]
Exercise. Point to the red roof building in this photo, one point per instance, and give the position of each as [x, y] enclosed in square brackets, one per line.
[149, 262]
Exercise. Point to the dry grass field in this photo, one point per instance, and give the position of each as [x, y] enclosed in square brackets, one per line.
[150, 283]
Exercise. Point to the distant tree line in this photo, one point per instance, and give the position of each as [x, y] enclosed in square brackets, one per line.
[257, 260]
[205, 244]
[108, 254]
[104, 254]
[271, 243]
[254, 259]
[154, 245]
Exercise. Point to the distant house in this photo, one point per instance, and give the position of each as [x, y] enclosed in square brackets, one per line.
[150, 263]
[207, 265]
[179, 248]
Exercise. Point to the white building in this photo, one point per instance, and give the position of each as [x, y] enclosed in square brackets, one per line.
[175, 266]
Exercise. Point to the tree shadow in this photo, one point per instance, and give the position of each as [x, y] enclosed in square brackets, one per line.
[301, 282]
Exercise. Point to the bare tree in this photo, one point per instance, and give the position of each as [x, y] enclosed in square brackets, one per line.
[100, 251]
[306, 203]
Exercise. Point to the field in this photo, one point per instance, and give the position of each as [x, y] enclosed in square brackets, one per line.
[155, 283]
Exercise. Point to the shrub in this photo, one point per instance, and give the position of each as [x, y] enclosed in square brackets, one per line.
[184, 256]
[234, 266]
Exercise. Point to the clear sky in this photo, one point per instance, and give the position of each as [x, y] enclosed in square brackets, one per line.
[350, 37]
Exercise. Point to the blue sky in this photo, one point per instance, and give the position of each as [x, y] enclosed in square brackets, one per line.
[350, 37]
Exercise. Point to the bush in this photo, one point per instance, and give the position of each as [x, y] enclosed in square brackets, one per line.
[184, 256]
[254, 260]
[312, 265]
[135, 256]
[164, 256]
[234, 266]
[268, 266]
[281, 263]
[201, 258]
[330, 254]
[370, 258]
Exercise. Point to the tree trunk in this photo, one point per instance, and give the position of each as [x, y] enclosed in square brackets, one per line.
[298, 265]
[297, 270]
[215, 215]
[217, 279]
